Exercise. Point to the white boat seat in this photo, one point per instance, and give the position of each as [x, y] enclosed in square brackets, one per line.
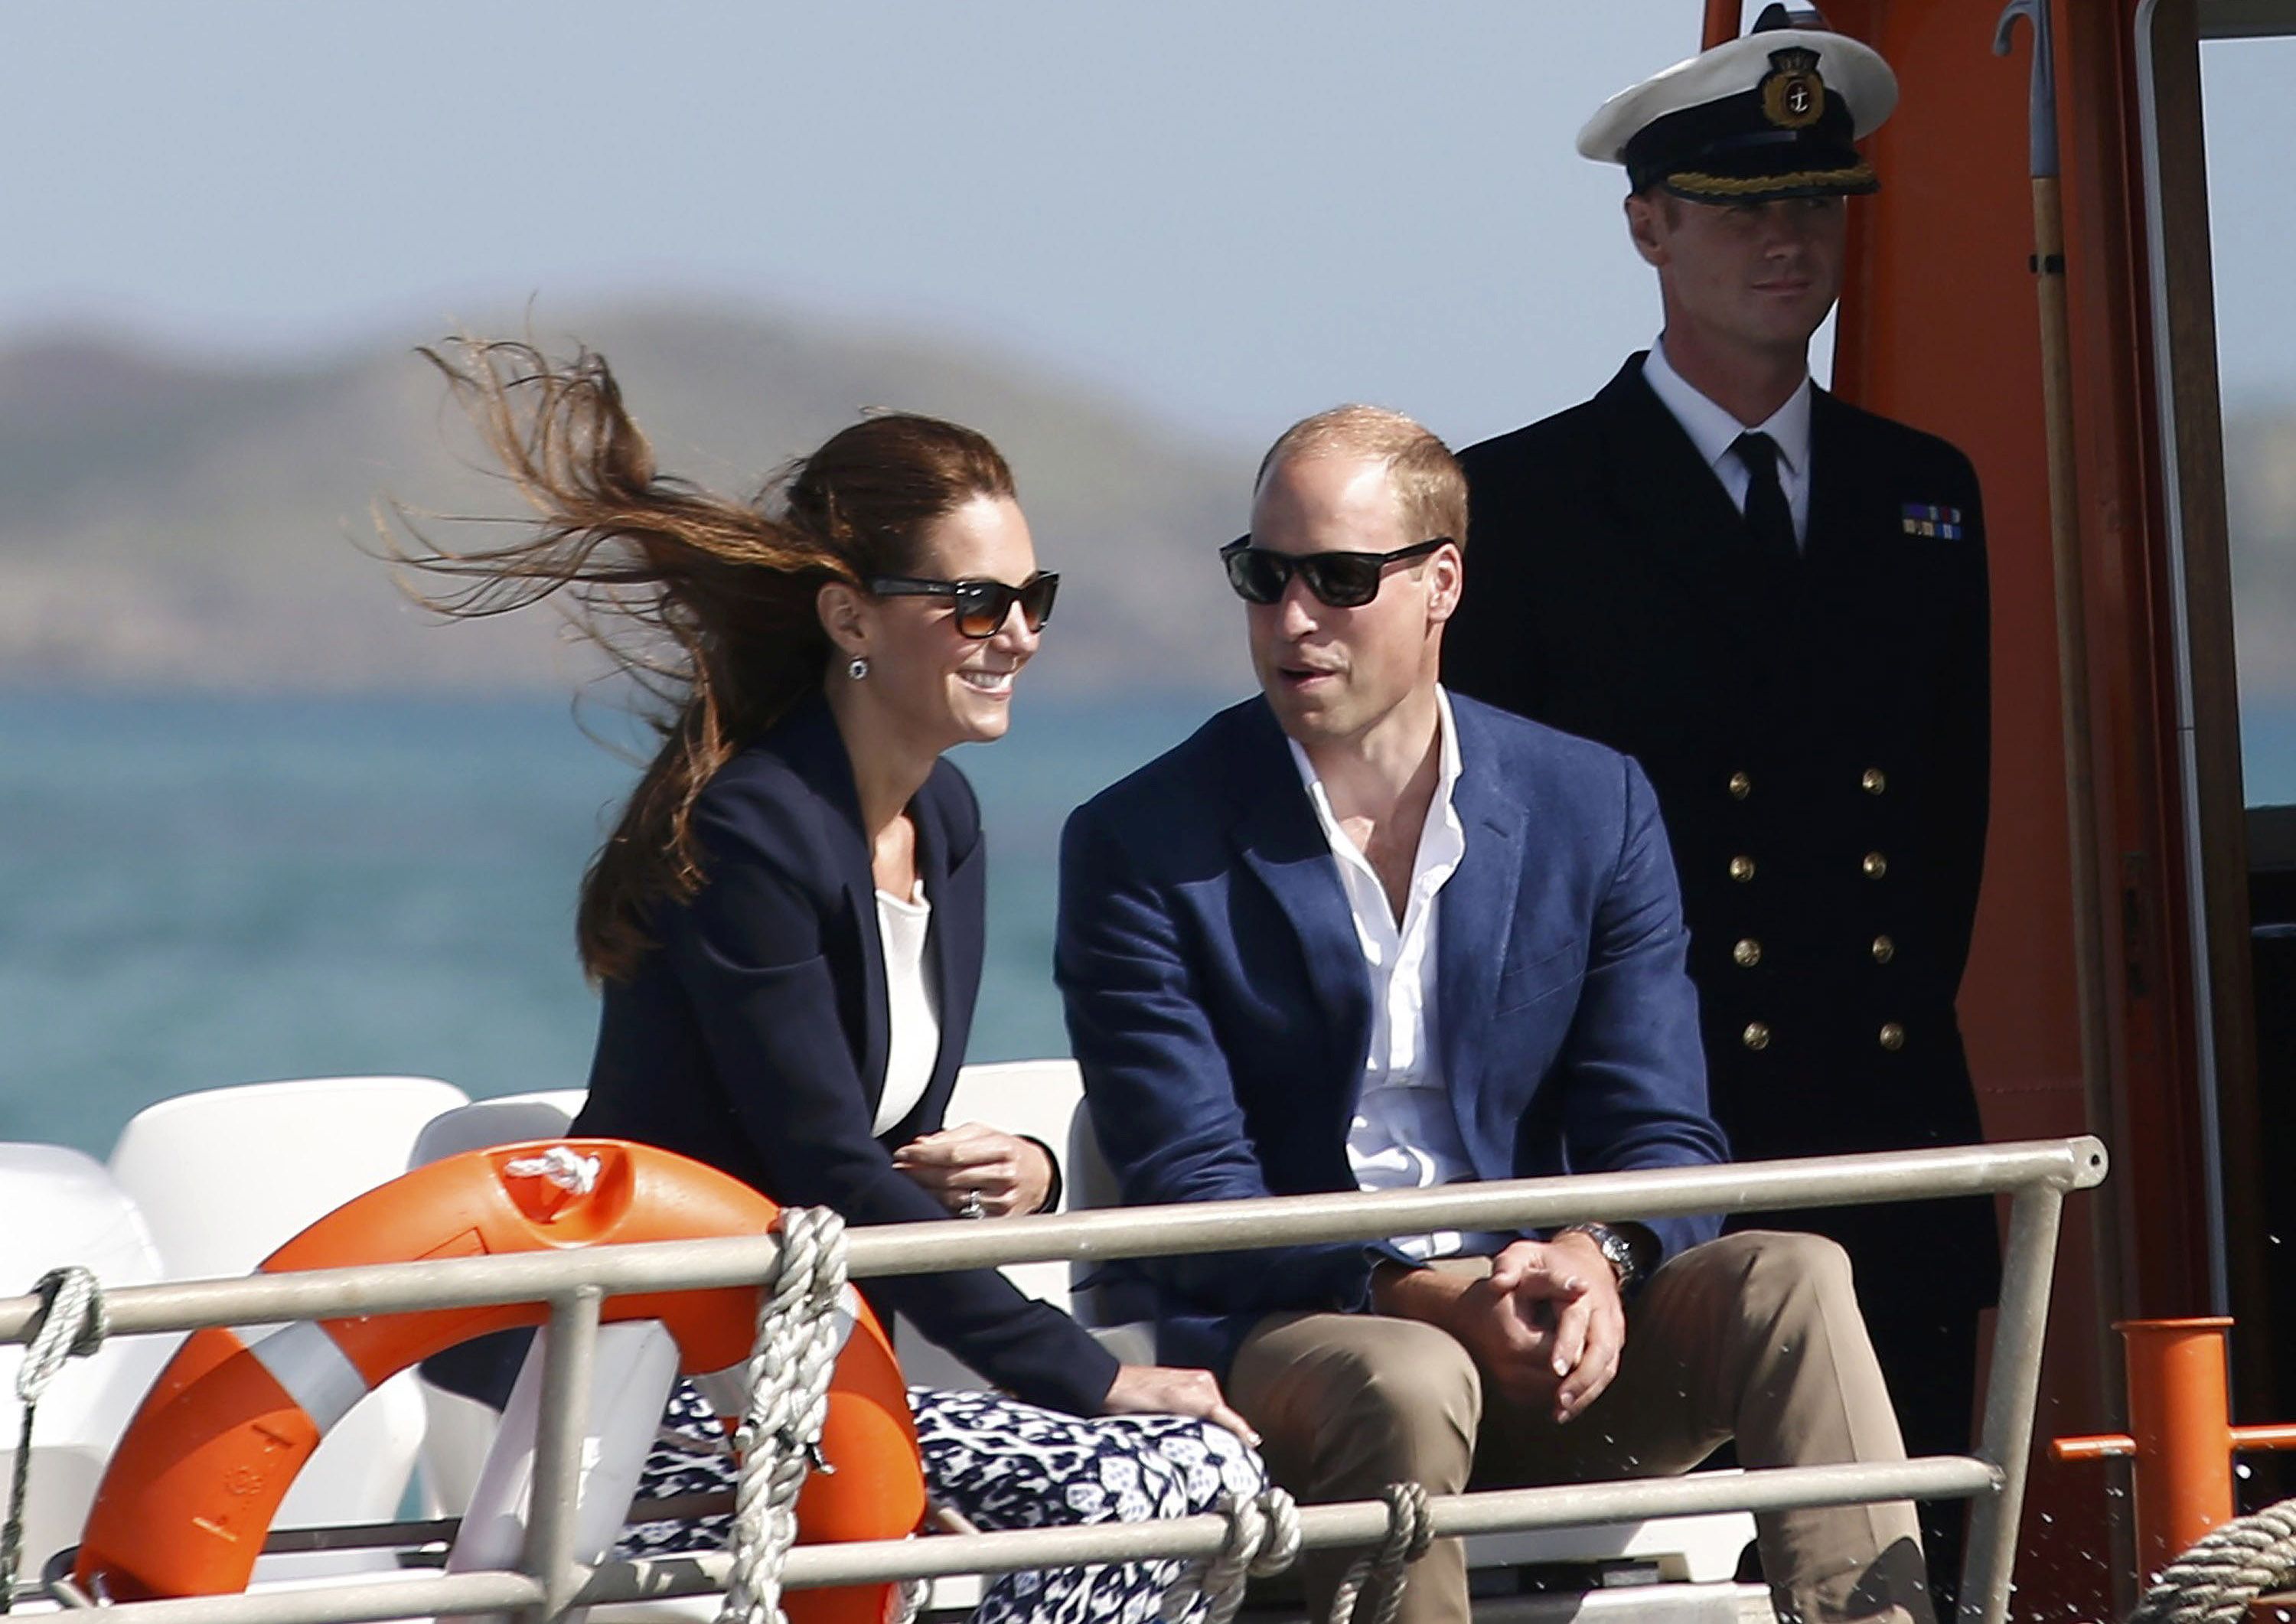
[505, 1120]
[58, 1207]
[459, 1429]
[225, 1176]
[1036, 1098]
[1703, 1549]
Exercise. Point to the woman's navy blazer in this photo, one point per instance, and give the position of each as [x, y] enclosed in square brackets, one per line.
[754, 1035]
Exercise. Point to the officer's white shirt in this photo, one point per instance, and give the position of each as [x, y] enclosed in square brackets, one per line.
[1714, 430]
[1404, 1134]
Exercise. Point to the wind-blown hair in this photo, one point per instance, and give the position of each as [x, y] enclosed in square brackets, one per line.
[707, 604]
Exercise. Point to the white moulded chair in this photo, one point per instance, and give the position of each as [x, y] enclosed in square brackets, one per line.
[1703, 1550]
[461, 1433]
[1037, 1098]
[225, 1176]
[58, 1207]
[459, 1430]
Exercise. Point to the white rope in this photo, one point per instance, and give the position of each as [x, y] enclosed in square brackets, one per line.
[2226, 1569]
[1263, 1538]
[562, 1165]
[779, 1439]
[71, 1324]
[1373, 1589]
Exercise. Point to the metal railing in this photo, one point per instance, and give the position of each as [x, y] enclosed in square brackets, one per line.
[2037, 1175]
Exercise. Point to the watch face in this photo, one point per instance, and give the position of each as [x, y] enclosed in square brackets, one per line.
[1615, 1248]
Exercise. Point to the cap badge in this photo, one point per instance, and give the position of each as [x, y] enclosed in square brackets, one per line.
[1793, 97]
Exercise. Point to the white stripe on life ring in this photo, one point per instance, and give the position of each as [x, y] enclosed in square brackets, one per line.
[304, 1359]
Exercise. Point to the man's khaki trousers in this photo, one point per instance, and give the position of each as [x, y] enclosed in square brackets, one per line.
[1756, 1336]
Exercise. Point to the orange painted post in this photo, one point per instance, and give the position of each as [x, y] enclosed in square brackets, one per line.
[2184, 1442]
[1721, 22]
[2179, 1410]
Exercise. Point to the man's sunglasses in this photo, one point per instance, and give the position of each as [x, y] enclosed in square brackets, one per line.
[981, 606]
[1344, 580]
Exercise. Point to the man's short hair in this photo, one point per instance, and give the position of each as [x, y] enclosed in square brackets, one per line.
[1426, 479]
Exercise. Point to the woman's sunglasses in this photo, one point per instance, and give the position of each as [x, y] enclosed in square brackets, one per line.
[981, 606]
[1344, 580]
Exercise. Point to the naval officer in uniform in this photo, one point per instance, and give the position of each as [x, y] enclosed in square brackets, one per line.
[1777, 603]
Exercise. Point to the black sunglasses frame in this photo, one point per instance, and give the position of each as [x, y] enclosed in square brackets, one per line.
[1317, 569]
[974, 602]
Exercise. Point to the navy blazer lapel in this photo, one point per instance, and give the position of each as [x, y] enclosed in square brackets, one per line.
[1477, 905]
[1283, 843]
[953, 885]
[1662, 482]
[809, 741]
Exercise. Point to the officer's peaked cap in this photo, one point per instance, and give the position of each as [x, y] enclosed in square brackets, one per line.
[1770, 114]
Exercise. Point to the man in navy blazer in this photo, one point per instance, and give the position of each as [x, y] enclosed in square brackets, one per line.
[1358, 933]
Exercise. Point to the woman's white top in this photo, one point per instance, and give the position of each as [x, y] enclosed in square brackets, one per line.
[914, 1043]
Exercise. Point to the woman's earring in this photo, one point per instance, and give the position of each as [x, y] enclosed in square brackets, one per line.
[859, 667]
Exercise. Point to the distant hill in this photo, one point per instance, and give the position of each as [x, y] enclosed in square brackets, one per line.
[165, 521]
[172, 522]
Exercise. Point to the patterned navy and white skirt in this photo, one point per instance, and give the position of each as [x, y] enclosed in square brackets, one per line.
[1003, 1465]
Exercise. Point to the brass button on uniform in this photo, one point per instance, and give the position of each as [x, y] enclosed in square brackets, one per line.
[1893, 1035]
[1884, 949]
[1872, 780]
[1747, 952]
[1741, 786]
[1756, 1035]
[1741, 869]
[1875, 865]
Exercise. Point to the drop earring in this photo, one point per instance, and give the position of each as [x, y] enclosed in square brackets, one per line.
[858, 669]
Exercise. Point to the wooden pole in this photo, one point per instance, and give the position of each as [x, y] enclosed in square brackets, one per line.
[2072, 652]
[1721, 22]
[2092, 1006]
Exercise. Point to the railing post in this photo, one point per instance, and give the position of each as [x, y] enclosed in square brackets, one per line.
[2013, 1394]
[2179, 1412]
[569, 1349]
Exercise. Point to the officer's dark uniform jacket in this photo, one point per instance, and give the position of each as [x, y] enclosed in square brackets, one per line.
[1816, 731]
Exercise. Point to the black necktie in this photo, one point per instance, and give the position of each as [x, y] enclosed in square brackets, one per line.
[1769, 521]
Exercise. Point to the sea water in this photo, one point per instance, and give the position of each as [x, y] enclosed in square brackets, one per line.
[198, 891]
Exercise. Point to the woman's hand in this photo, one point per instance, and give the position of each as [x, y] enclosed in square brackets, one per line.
[1161, 1389]
[975, 1171]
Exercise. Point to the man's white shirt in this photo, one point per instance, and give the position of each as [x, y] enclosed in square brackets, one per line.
[1404, 1134]
[1714, 430]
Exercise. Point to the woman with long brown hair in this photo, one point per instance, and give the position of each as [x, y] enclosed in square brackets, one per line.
[786, 922]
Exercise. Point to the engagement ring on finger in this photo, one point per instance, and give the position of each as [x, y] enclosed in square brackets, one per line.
[971, 1206]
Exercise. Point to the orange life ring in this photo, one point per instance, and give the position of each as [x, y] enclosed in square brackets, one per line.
[188, 1498]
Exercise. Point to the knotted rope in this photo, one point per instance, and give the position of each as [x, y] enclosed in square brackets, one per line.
[1373, 1589]
[71, 1324]
[1263, 1538]
[2226, 1569]
[779, 1439]
[562, 1165]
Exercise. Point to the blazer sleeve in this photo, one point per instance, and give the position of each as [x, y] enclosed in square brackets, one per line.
[1633, 1066]
[1163, 1099]
[750, 955]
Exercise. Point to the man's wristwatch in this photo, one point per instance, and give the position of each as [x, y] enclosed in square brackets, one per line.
[1617, 1251]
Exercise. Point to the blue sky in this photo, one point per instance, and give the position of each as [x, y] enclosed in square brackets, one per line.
[1229, 213]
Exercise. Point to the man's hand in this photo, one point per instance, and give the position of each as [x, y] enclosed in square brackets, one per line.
[1008, 1176]
[1570, 1284]
[1545, 1325]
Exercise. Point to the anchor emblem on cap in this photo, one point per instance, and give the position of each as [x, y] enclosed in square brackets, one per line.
[1794, 96]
